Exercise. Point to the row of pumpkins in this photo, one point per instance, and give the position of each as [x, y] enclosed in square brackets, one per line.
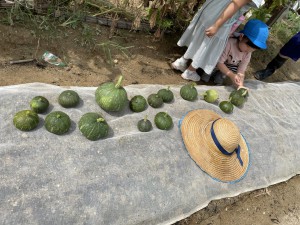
[110, 97]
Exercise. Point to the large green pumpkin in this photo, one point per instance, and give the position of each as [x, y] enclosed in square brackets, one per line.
[166, 95]
[138, 103]
[111, 97]
[57, 122]
[93, 126]
[189, 92]
[155, 101]
[163, 121]
[26, 120]
[39, 104]
[68, 99]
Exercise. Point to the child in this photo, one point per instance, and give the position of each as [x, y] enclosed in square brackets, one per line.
[237, 54]
[290, 50]
[207, 34]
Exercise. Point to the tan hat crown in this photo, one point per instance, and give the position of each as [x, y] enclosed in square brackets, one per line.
[226, 132]
[215, 144]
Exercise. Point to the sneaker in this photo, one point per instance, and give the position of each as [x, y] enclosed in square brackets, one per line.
[190, 75]
[179, 65]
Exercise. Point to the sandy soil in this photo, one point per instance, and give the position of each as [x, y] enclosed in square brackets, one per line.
[146, 62]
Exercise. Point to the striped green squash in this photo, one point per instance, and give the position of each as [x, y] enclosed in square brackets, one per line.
[39, 104]
[163, 121]
[57, 122]
[26, 120]
[93, 126]
[68, 99]
[189, 92]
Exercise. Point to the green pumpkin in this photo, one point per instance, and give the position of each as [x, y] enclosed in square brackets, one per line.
[68, 99]
[211, 96]
[26, 120]
[112, 97]
[138, 103]
[226, 106]
[166, 95]
[155, 101]
[57, 122]
[189, 92]
[39, 104]
[163, 121]
[93, 126]
[236, 99]
[144, 125]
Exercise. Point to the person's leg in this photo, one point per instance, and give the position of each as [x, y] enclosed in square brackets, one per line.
[218, 77]
[275, 64]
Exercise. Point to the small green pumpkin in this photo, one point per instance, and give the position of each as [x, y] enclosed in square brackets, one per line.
[39, 104]
[236, 98]
[189, 92]
[112, 97]
[163, 121]
[93, 126]
[138, 103]
[155, 101]
[144, 125]
[211, 96]
[68, 99]
[57, 122]
[26, 120]
[166, 95]
[226, 107]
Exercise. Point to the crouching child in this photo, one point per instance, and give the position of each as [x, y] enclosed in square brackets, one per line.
[237, 53]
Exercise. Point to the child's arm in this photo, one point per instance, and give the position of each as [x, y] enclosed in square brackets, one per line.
[233, 77]
[242, 78]
[230, 10]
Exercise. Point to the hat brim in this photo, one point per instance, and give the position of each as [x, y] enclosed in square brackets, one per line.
[203, 151]
[259, 44]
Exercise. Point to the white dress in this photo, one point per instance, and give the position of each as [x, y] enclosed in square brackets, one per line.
[205, 51]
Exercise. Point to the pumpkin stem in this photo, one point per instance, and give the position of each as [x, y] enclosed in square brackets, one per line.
[119, 82]
[193, 84]
[100, 120]
[58, 116]
[145, 118]
[168, 88]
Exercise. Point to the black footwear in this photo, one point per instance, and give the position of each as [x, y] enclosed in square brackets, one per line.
[262, 74]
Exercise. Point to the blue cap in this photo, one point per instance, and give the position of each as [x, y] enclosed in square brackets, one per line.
[257, 31]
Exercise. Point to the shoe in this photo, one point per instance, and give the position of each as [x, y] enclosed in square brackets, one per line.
[179, 65]
[205, 77]
[190, 75]
[262, 74]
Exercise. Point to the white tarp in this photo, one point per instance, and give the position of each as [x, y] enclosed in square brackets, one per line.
[133, 177]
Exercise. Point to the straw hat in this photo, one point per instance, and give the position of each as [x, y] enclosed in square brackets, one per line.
[215, 144]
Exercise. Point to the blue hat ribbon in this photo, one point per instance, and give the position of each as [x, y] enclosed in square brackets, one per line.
[217, 143]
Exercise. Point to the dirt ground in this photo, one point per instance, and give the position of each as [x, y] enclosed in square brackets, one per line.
[145, 62]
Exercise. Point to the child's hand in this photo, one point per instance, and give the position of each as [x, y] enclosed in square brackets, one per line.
[212, 30]
[236, 80]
